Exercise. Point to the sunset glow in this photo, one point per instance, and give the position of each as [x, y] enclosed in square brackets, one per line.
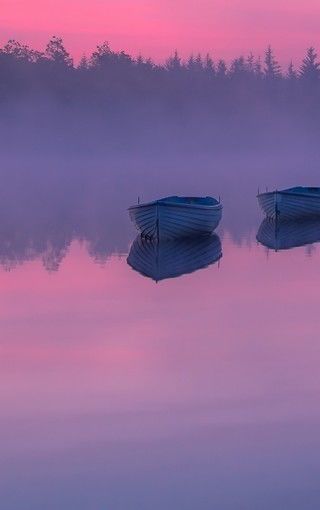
[224, 28]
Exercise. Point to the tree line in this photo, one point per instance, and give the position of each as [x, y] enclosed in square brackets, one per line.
[113, 79]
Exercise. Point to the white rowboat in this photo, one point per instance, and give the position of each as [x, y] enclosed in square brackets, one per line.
[291, 203]
[172, 217]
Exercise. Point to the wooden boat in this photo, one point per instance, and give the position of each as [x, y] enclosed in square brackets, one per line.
[171, 258]
[291, 203]
[173, 217]
[284, 235]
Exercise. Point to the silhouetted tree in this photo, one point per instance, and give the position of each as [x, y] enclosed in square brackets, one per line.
[102, 56]
[83, 64]
[250, 63]
[221, 69]
[20, 51]
[310, 68]
[198, 65]
[191, 63]
[56, 52]
[258, 68]
[209, 65]
[139, 60]
[149, 63]
[105, 58]
[173, 63]
[238, 67]
[291, 73]
[124, 59]
[272, 69]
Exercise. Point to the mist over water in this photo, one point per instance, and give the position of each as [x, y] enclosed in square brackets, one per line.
[49, 198]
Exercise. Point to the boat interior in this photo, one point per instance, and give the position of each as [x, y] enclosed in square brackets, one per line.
[191, 200]
[304, 189]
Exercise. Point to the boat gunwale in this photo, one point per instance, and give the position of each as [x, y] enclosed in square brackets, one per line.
[162, 203]
[291, 193]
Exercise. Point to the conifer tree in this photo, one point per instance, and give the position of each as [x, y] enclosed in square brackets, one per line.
[221, 69]
[83, 64]
[272, 69]
[173, 63]
[209, 65]
[291, 73]
[310, 67]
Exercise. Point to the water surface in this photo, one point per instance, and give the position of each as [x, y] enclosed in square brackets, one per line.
[118, 392]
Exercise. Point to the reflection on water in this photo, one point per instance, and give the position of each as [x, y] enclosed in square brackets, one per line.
[116, 393]
[45, 229]
[283, 235]
[171, 258]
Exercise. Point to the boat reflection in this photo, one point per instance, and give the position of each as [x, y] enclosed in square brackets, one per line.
[283, 235]
[164, 259]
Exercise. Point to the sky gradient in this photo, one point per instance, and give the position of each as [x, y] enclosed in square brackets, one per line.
[225, 28]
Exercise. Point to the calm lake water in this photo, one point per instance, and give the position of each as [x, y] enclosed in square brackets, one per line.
[120, 393]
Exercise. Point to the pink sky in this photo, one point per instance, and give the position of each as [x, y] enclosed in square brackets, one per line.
[223, 27]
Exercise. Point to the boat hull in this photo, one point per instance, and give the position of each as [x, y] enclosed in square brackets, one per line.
[170, 220]
[164, 259]
[288, 205]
